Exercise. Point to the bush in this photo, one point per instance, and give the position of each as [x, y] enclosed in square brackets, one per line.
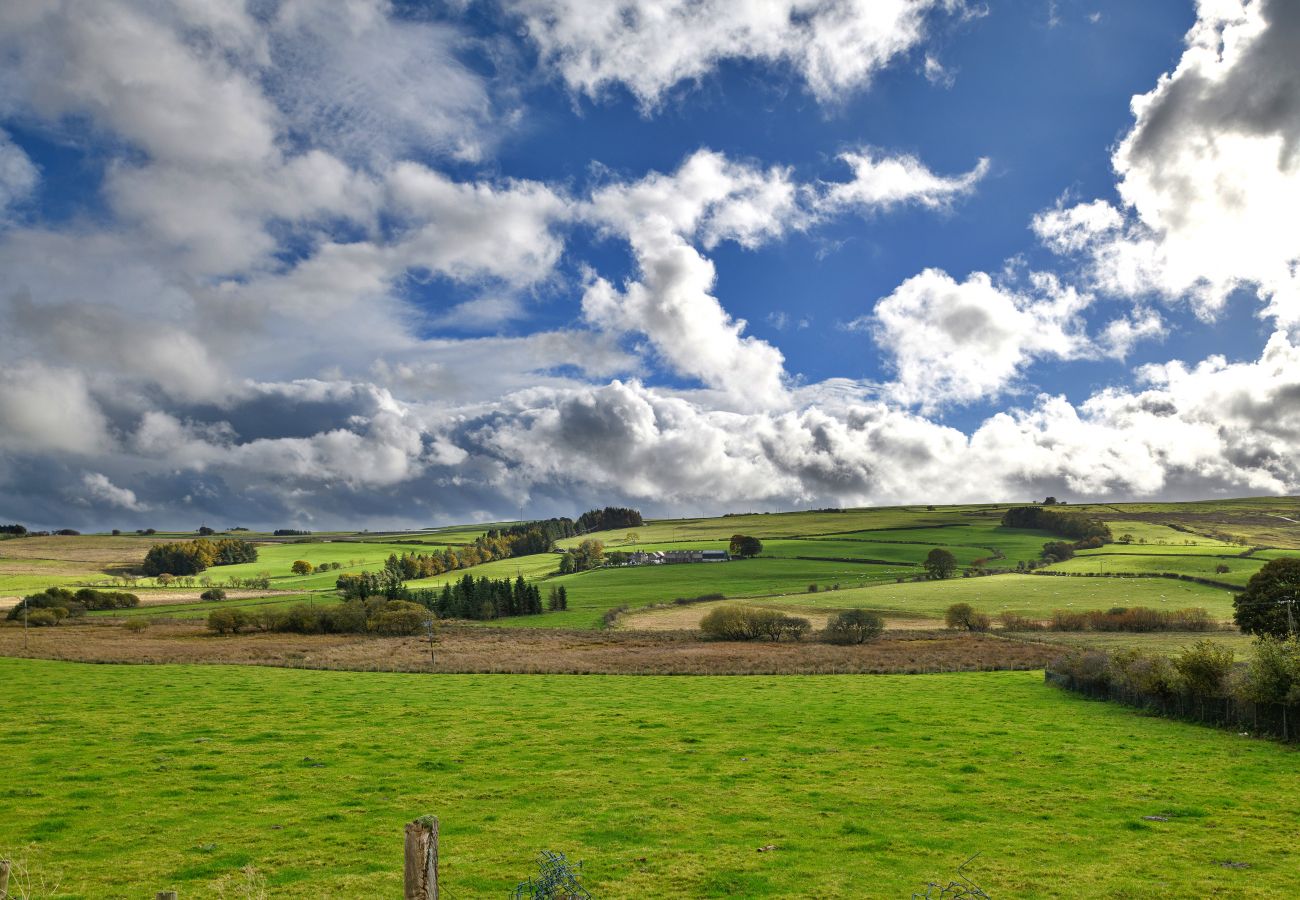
[854, 626]
[725, 623]
[301, 567]
[738, 623]
[1012, 621]
[136, 625]
[963, 616]
[40, 618]
[1064, 620]
[1204, 668]
[1221, 569]
[213, 594]
[90, 599]
[228, 620]
[1273, 675]
[397, 617]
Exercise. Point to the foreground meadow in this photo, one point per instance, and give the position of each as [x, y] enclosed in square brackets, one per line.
[123, 780]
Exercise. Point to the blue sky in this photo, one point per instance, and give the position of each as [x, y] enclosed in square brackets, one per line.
[387, 264]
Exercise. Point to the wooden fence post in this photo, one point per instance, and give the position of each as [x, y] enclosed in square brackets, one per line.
[422, 859]
[4, 879]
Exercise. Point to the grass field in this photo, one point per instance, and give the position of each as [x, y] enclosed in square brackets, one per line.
[124, 780]
[1239, 570]
[1033, 595]
[592, 593]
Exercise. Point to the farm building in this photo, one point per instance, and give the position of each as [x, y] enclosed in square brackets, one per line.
[661, 557]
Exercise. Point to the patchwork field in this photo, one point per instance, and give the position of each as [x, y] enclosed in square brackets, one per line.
[121, 781]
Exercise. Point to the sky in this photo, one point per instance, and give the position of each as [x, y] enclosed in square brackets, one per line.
[368, 264]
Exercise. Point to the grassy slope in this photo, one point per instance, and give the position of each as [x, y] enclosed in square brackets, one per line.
[126, 780]
[1034, 595]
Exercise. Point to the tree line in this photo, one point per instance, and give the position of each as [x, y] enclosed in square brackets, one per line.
[1089, 532]
[192, 557]
[52, 605]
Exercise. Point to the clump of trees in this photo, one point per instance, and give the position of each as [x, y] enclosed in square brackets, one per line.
[940, 563]
[61, 603]
[589, 554]
[377, 616]
[744, 546]
[557, 599]
[290, 532]
[192, 557]
[1267, 605]
[744, 623]
[611, 518]
[964, 617]
[528, 538]
[213, 594]
[13, 530]
[854, 626]
[485, 598]
[1077, 525]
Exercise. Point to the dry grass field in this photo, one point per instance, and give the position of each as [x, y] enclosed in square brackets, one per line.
[511, 650]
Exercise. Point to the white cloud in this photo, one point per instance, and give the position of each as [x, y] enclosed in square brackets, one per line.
[99, 487]
[1209, 175]
[370, 85]
[958, 342]
[881, 183]
[48, 409]
[18, 175]
[648, 46]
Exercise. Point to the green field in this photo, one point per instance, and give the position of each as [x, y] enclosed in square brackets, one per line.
[124, 780]
[353, 556]
[592, 593]
[1239, 570]
[1033, 595]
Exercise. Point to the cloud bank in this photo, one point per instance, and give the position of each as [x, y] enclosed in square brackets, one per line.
[237, 337]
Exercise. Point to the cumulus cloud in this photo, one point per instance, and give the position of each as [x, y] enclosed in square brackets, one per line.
[957, 342]
[882, 182]
[1209, 175]
[648, 47]
[98, 487]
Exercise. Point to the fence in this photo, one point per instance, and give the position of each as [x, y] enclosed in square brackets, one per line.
[1278, 720]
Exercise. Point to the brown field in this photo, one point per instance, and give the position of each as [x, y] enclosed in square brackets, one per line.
[686, 617]
[102, 552]
[513, 650]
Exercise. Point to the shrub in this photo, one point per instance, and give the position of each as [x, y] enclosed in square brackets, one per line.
[228, 620]
[963, 616]
[725, 623]
[136, 625]
[399, 617]
[1204, 668]
[737, 623]
[90, 599]
[1221, 569]
[1064, 620]
[1273, 674]
[1012, 621]
[854, 626]
[301, 567]
[213, 594]
[40, 618]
